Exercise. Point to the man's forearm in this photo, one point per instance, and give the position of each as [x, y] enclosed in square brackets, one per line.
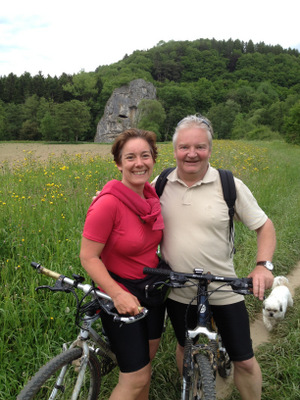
[266, 241]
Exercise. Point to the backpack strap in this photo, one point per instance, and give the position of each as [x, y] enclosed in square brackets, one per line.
[162, 180]
[229, 193]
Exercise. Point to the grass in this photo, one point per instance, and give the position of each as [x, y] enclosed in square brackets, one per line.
[280, 359]
[42, 210]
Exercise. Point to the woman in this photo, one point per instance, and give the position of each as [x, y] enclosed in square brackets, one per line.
[122, 230]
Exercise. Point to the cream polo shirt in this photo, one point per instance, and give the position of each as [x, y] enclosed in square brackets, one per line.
[196, 233]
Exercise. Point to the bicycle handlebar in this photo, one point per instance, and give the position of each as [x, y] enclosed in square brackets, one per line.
[241, 285]
[107, 304]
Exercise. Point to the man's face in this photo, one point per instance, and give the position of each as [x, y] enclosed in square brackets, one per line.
[192, 153]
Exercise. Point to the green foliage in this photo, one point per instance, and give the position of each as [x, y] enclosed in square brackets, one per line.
[83, 86]
[222, 117]
[190, 76]
[177, 102]
[279, 359]
[151, 116]
[292, 125]
[2, 120]
[72, 120]
[48, 127]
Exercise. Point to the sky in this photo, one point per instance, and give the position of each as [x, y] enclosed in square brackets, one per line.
[68, 36]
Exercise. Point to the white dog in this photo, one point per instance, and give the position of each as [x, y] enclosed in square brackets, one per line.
[275, 305]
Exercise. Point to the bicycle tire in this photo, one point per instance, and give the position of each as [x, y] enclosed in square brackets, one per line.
[43, 382]
[204, 383]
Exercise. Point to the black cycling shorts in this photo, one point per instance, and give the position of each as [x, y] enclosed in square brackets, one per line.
[130, 342]
[232, 321]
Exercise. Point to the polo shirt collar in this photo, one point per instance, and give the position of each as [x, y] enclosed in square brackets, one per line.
[210, 176]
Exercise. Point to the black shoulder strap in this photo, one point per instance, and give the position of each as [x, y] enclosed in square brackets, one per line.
[229, 193]
[162, 180]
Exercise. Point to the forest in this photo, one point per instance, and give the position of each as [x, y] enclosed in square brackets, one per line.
[248, 91]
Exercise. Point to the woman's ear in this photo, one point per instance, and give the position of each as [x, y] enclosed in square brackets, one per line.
[119, 167]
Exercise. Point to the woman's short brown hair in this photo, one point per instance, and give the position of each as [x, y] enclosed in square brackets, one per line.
[133, 133]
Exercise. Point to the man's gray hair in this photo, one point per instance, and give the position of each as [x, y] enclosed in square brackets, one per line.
[192, 121]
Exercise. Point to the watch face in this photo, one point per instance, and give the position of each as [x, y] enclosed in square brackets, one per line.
[269, 265]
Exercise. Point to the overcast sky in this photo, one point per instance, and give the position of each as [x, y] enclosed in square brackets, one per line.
[69, 35]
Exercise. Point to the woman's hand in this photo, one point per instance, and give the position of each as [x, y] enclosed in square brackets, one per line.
[126, 303]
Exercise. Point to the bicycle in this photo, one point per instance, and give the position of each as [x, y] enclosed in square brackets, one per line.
[76, 372]
[203, 358]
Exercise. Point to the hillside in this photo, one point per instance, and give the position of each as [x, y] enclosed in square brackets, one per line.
[247, 90]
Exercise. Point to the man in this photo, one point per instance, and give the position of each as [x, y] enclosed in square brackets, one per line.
[197, 235]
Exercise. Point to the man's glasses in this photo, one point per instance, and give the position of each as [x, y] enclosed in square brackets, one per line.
[200, 119]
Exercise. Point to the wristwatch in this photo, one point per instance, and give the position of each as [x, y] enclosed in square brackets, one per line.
[266, 264]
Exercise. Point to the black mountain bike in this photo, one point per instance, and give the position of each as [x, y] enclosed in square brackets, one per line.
[206, 355]
[76, 372]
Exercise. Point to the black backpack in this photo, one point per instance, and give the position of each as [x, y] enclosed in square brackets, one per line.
[229, 193]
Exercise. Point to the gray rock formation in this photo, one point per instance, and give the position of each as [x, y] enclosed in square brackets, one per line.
[121, 109]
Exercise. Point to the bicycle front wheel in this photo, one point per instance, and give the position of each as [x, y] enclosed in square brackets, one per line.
[57, 379]
[203, 381]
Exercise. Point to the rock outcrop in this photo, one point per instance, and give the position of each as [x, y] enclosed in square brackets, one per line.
[121, 109]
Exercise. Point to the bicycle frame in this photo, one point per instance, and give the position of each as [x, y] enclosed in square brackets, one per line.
[86, 333]
[203, 328]
[95, 355]
[201, 360]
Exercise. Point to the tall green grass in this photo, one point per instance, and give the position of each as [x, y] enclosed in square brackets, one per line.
[42, 212]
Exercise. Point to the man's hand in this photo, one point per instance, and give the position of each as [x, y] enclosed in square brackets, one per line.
[97, 194]
[262, 280]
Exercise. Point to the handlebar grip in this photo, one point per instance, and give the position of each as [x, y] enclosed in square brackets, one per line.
[45, 271]
[156, 271]
[248, 281]
[243, 286]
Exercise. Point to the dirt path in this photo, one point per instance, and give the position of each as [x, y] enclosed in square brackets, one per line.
[17, 151]
[259, 335]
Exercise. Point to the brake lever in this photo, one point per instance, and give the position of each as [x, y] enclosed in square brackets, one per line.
[109, 307]
[60, 286]
[177, 280]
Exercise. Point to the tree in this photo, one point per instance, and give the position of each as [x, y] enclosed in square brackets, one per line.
[30, 125]
[72, 120]
[151, 116]
[242, 94]
[292, 125]
[13, 120]
[29, 131]
[222, 117]
[203, 94]
[48, 127]
[178, 103]
[83, 86]
[2, 121]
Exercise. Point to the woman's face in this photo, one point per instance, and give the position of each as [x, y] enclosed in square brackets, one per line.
[136, 164]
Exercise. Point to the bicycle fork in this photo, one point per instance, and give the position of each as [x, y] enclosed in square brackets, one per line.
[203, 329]
[81, 342]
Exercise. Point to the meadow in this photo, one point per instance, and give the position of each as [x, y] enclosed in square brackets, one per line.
[43, 203]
